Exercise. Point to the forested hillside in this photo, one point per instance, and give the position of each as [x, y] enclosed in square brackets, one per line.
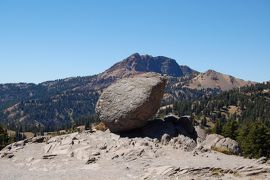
[49, 113]
[242, 114]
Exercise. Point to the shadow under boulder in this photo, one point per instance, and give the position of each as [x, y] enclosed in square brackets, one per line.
[170, 125]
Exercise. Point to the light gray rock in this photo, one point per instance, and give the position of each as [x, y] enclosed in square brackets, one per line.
[201, 134]
[183, 143]
[219, 143]
[228, 144]
[8, 151]
[5, 154]
[104, 155]
[19, 143]
[165, 139]
[262, 160]
[130, 102]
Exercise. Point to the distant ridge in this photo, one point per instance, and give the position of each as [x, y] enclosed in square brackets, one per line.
[212, 79]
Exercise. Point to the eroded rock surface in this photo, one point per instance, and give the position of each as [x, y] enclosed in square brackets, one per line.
[105, 155]
[9, 150]
[221, 144]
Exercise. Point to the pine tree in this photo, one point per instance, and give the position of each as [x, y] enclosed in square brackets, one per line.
[218, 127]
[254, 140]
[87, 125]
[4, 139]
[230, 129]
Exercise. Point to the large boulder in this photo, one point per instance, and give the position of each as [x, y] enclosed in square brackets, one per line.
[130, 102]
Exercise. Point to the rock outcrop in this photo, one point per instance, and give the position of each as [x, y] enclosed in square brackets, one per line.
[221, 144]
[8, 151]
[130, 102]
[105, 155]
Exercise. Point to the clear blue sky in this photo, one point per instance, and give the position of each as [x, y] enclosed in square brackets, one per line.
[51, 39]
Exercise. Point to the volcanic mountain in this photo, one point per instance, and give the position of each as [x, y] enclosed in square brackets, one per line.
[137, 63]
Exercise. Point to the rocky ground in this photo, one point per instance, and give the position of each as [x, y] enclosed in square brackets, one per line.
[104, 155]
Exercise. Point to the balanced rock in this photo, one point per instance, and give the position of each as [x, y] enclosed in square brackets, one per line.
[130, 102]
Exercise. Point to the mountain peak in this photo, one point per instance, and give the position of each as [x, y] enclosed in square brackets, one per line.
[134, 56]
[137, 63]
[210, 71]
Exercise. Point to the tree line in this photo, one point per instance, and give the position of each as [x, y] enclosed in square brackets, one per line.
[249, 125]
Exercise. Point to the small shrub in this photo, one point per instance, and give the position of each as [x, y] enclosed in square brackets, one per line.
[222, 150]
[100, 126]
